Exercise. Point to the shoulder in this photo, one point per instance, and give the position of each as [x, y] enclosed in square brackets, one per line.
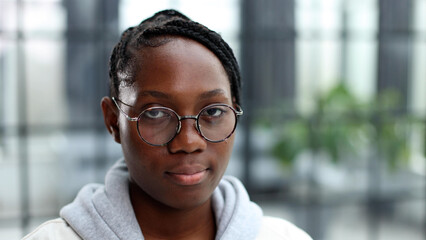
[53, 229]
[277, 228]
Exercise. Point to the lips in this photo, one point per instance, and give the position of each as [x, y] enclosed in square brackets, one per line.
[187, 176]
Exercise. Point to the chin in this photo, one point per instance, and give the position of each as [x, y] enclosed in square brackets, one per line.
[184, 198]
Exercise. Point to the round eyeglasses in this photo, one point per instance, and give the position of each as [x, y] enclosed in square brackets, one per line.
[158, 126]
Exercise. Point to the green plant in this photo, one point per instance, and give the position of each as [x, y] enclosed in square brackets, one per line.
[343, 125]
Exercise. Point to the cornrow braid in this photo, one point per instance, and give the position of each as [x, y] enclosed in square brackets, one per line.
[119, 62]
[164, 24]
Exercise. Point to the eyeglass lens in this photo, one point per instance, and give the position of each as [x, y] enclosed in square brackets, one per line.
[157, 126]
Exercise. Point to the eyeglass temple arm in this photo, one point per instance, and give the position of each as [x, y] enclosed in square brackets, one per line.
[239, 110]
[122, 111]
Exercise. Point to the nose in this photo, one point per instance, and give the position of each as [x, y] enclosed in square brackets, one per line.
[188, 139]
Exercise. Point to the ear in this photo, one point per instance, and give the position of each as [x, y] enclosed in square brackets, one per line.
[110, 113]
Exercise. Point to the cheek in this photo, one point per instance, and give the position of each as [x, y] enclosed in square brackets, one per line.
[229, 144]
[128, 134]
[140, 157]
[224, 151]
[144, 163]
[132, 145]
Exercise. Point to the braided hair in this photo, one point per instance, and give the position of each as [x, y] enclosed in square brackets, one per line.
[158, 30]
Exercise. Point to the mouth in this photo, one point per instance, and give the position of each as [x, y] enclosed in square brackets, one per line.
[188, 177]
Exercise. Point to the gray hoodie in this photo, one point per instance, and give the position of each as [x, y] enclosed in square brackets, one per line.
[105, 212]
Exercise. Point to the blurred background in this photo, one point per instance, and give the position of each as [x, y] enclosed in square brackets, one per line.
[333, 134]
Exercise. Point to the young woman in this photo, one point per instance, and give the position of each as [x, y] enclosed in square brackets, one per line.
[174, 106]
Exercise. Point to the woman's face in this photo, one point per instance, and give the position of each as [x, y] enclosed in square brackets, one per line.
[185, 76]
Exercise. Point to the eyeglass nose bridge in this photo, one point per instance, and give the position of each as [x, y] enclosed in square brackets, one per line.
[195, 117]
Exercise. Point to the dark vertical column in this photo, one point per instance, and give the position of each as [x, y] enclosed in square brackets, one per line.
[269, 38]
[2, 104]
[89, 26]
[247, 97]
[81, 72]
[395, 47]
[394, 61]
[22, 122]
[268, 61]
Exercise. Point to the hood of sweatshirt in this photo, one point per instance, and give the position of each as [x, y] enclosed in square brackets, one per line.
[105, 211]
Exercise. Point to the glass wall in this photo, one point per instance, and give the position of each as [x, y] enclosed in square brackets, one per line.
[335, 123]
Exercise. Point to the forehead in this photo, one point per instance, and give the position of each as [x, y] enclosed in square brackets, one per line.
[179, 51]
[180, 64]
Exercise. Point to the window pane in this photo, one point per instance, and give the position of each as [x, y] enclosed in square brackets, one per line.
[419, 16]
[8, 17]
[362, 16]
[132, 12]
[61, 162]
[38, 18]
[361, 62]
[9, 177]
[46, 99]
[8, 82]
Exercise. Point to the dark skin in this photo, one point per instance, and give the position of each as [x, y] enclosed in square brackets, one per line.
[171, 186]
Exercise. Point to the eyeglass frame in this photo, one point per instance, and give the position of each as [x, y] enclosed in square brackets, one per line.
[237, 112]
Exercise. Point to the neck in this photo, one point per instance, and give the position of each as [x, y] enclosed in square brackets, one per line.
[159, 221]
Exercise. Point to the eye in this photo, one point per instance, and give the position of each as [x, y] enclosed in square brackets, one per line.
[155, 114]
[214, 112]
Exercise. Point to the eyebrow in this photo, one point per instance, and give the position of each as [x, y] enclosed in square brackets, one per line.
[155, 94]
[205, 95]
[212, 93]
